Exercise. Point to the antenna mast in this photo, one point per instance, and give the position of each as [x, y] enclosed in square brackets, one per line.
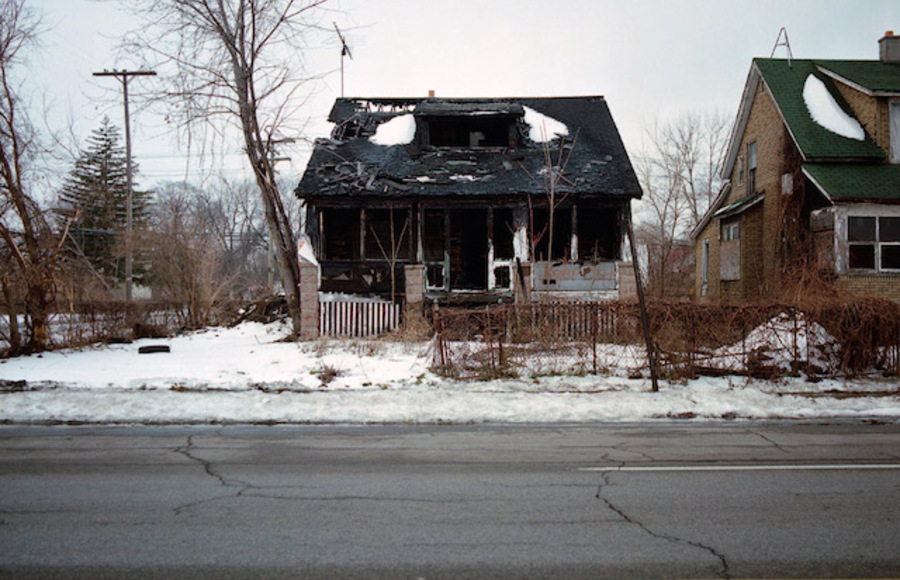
[785, 43]
[345, 51]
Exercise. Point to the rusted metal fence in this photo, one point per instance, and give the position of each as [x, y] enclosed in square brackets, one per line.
[840, 339]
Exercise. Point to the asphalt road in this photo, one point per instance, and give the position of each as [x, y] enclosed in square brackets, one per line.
[725, 500]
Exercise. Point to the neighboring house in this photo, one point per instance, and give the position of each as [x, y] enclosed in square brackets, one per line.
[812, 181]
[452, 195]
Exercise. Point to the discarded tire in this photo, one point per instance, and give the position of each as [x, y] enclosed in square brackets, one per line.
[149, 349]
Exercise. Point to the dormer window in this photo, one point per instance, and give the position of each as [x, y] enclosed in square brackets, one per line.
[470, 132]
[468, 124]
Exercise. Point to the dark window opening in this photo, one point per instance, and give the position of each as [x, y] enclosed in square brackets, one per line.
[598, 234]
[435, 275]
[502, 278]
[562, 233]
[468, 249]
[504, 228]
[388, 235]
[889, 229]
[471, 132]
[433, 235]
[340, 232]
[890, 257]
[862, 256]
[861, 229]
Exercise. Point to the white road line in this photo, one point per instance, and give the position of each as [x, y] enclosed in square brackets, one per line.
[810, 467]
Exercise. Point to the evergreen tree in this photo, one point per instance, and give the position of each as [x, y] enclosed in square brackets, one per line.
[94, 199]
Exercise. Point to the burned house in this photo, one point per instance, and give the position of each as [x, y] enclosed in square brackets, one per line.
[460, 194]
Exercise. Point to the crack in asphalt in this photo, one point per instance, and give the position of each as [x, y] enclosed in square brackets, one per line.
[241, 486]
[772, 442]
[724, 573]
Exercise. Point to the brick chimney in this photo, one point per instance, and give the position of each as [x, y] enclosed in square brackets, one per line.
[889, 48]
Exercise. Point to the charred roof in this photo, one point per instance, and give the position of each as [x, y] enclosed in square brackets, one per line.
[469, 148]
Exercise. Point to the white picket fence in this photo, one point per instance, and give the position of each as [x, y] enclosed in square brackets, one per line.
[357, 319]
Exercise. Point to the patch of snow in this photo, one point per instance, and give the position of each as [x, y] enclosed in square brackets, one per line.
[246, 374]
[825, 110]
[542, 128]
[424, 179]
[398, 131]
[305, 250]
[463, 178]
[341, 297]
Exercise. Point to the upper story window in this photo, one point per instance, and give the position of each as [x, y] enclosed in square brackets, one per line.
[471, 132]
[874, 243]
[468, 123]
[751, 167]
[731, 231]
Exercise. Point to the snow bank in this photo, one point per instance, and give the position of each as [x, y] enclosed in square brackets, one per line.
[543, 128]
[398, 131]
[825, 110]
[247, 374]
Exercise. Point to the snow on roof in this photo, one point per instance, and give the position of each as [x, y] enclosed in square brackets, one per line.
[398, 131]
[825, 110]
[543, 128]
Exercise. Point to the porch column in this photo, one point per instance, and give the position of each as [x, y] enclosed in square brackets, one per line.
[415, 290]
[627, 281]
[309, 301]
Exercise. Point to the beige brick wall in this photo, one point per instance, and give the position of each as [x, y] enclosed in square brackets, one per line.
[881, 285]
[760, 258]
[872, 113]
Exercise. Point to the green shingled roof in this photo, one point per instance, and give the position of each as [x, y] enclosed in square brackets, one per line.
[874, 75]
[850, 182]
[786, 79]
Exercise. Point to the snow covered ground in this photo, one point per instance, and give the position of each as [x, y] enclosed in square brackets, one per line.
[247, 375]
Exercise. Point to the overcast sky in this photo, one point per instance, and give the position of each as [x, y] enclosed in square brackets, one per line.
[651, 59]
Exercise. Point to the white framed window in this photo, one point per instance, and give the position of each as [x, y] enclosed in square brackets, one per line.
[731, 231]
[873, 243]
[704, 281]
[751, 167]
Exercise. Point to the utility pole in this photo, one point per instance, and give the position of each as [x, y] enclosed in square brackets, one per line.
[123, 77]
[271, 250]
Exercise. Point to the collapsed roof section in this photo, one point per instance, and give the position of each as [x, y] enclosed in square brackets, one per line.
[468, 148]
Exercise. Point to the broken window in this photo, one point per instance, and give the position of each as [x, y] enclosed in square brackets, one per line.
[598, 233]
[433, 246]
[562, 233]
[468, 249]
[471, 132]
[504, 228]
[388, 234]
[340, 232]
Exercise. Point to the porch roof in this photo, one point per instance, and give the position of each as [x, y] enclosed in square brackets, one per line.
[856, 182]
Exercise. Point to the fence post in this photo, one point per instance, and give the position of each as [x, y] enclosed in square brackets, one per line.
[595, 322]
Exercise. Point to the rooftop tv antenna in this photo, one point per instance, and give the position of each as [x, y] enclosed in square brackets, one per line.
[345, 51]
[785, 43]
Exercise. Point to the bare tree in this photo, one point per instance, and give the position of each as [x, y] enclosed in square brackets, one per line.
[240, 59]
[680, 176]
[30, 246]
[186, 253]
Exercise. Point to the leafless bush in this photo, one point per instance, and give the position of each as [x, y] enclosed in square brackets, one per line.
[834, 338]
